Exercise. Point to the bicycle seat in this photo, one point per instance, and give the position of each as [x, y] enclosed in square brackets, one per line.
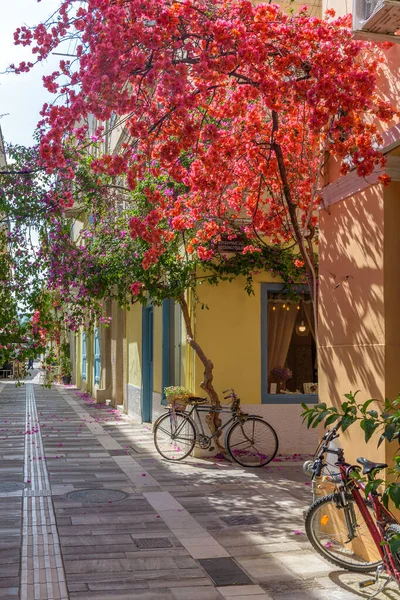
[369, 466]
[197, 400]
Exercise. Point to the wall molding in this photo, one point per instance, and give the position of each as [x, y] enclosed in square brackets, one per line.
[352, 183]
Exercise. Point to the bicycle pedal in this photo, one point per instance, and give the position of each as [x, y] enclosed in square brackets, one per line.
[211, 449]
[366, 583]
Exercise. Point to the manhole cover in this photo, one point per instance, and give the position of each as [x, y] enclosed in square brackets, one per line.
[241, 520]
[146, 543]
[11, 486]
[100, 496]
[224, 571]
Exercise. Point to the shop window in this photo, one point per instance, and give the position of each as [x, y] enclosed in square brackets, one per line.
[289, 343]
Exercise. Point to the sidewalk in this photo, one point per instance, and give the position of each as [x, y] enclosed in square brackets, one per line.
[152, 530]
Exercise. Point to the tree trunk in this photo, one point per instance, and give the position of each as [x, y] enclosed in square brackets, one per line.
[213, 419]
[307, 253]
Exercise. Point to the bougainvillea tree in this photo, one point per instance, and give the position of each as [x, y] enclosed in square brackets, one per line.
[28, 315]
[237, 106]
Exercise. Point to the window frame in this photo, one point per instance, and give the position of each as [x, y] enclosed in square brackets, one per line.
[266, 397]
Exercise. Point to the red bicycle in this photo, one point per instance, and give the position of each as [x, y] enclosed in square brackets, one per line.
[347, 528]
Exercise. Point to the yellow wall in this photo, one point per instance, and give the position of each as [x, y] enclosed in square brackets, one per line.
[134, 344]
[89, 363]
[230, 334]
[78, 359]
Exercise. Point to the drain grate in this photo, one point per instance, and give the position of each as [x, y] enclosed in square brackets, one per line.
[148, 543]
[11, 486]
[99, 496]
[117, 452]
[224, 571]
[241, 520]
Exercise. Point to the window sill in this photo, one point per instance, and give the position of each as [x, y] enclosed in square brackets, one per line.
[289, 398]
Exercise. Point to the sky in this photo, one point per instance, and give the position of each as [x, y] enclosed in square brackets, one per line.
[22, 96]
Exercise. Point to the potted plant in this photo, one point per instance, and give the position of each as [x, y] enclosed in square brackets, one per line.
[66, 369]
[281, 375]
[177, 396]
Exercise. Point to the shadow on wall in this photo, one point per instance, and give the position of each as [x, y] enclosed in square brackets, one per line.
[351, 306]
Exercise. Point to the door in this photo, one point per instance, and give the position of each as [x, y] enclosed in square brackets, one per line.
[168, 346]
[147, 365]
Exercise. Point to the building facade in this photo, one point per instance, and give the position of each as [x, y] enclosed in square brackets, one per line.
[359, 315]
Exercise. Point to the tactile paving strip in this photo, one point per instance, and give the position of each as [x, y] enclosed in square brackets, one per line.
[42, 571]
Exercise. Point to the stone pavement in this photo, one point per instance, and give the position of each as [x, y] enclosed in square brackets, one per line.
[195, 530]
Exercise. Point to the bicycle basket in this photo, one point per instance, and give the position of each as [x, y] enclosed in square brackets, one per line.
[178, 402]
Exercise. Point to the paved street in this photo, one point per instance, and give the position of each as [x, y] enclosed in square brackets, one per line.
[153, 530]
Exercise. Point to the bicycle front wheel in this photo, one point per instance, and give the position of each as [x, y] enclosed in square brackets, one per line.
[174, 436]
[252, 443]
[328, 532]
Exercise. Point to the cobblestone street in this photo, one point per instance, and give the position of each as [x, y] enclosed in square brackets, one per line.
[153, 530]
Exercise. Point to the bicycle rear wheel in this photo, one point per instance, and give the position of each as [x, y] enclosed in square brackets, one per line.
[252, 443]
[174, 436]
[328, 533]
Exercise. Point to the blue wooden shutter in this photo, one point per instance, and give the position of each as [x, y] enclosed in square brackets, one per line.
[84, 356]
[97, 357]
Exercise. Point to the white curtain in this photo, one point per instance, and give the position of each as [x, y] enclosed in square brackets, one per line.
[280, 325]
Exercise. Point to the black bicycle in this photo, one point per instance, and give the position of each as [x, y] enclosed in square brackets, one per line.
[250, 441]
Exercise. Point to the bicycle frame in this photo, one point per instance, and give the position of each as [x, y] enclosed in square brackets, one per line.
[197, 422]
[382, 515]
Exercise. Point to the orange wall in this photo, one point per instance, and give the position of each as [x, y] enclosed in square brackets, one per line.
[352, 315]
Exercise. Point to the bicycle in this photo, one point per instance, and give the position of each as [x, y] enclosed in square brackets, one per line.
[250, 441]
[347, 529]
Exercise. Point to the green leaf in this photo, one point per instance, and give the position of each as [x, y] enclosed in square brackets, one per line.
[394, 543]
[365, 405]
[331, 419]
[369, 426]
[368, 488]
[372, 486]
[381, 440]
[347, 421]
[385, 499]
[320, 418]
[373, 413]
[390, 431]
[311, 417]
[394, 493]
